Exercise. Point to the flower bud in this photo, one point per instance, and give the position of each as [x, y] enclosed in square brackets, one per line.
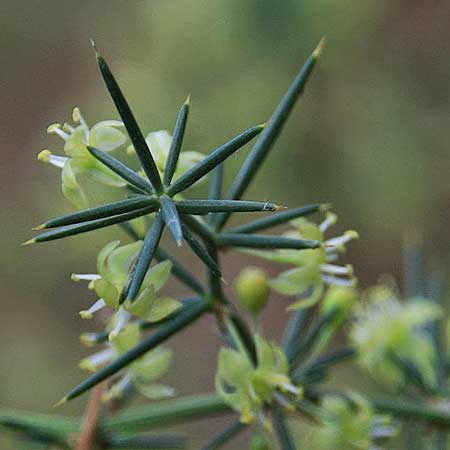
[253, 289]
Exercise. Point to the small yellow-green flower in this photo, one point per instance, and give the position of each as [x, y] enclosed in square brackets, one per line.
[105, 136]
[315, 268]
[351, 424]
[142, 373]
[386, 327]
[248, 388]
[113, 265]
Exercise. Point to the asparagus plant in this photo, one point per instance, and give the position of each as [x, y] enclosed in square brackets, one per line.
[272, 389]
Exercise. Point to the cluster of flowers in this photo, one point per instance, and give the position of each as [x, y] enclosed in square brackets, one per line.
[78, 168]
[383, 329]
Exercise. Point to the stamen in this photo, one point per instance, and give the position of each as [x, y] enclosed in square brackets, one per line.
[93, 362]
[342, 240]
[88, 313]
[288, 387]
[87, 276]
[337, 281]
[330, 220]
[78, 118]
[55, 128]
[88, 339]
[123, 317]
[47, 157]
[117, 389]
[68, 128]
[337, 270]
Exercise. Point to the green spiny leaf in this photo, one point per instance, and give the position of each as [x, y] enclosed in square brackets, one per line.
[136, 137]
[213, 159]
[295, 329]
[265, 142]
[277, 219]
[177, 140]
[99, 212]
[71, 230]
[202, 207]
[263, 241]
[199, 228]
[323, 363]
[171, 218]
[216, 182]
[201, 252]
[121, 169]
[144, 259]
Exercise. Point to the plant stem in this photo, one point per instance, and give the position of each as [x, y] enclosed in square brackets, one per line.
[88, 434]
[283, 433]
[167, 413]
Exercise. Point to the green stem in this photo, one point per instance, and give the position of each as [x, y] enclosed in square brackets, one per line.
[234, 333]
[135, 419]
[284, 435]
[166, 413]
[153, 442]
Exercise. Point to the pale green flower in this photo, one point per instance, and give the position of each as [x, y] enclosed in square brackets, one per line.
[142, 373]
[113, 266]
[351, 424]
[315, 268]
[385, 327]
[248, 388]
[105, 136]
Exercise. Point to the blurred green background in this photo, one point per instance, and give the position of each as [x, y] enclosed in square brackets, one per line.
[370, 136]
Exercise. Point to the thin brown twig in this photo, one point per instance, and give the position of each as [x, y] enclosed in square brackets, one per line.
[87, 437]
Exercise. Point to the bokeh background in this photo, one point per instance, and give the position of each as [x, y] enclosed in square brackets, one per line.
[370, 136]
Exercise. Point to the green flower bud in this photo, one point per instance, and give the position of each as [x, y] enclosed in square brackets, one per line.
[253, 289]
